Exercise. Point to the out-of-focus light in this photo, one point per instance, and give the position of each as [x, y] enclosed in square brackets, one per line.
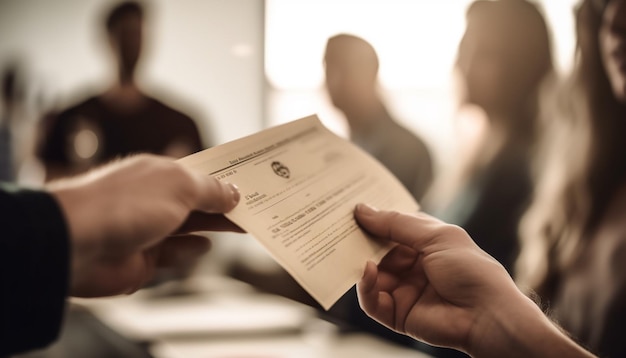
[86, 143]
[242, 50]
[416, 41]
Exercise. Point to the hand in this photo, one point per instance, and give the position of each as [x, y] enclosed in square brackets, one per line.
[134, 215]
[438, 286]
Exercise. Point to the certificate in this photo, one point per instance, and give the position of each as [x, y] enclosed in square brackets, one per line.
[299, 184]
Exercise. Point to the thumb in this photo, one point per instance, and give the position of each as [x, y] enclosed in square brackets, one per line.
[215, 196]
[413, 230]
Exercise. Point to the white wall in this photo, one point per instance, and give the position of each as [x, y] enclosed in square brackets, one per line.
[206, 55]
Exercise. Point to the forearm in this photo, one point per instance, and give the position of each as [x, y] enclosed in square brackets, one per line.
[520, 329]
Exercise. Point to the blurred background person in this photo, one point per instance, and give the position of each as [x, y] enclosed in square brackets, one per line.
[574, 235]
[351, 80]
[16, 123]
[10, 97]
[503, 59]
[122, 120]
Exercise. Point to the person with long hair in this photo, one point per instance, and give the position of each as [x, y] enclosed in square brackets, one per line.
[439, 287]
[573, 237]
[503, 59]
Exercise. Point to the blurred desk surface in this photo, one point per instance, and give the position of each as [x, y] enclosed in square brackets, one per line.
[220, 317]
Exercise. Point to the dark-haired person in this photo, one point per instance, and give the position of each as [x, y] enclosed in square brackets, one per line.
[122, 120]
[574, 236]
[503, 60]
[351, 80]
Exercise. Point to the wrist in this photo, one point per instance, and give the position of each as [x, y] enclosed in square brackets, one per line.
[83, 246]
[518, 328]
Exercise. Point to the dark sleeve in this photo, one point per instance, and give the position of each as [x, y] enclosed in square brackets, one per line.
[34, 269]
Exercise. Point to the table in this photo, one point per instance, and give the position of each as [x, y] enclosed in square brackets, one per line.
[227, 318]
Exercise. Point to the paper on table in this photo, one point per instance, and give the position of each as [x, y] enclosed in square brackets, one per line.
[299, 183]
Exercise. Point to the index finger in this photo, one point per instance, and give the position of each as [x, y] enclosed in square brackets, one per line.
[201, 221]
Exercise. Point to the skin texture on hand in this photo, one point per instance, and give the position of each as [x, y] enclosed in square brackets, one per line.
[438, 286]
[134, 215]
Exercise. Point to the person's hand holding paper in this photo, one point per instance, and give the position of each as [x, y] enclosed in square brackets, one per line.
[299, 185]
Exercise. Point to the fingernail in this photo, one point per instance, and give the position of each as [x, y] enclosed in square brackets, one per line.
[366, 209]
[235, 190]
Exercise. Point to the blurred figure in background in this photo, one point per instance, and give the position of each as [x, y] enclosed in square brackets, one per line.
[123, 119]
[16, 125]
[503, 59]
[574, 235]
[9, 98]
[351, 65]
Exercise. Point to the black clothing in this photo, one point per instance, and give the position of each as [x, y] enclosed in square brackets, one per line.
[34, 269]
[491, 205]
[150, 128]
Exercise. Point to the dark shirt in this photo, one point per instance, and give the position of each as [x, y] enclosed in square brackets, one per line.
[34, 268]
[150, 128]
[491, 204]
[401, 151]
[6, 152]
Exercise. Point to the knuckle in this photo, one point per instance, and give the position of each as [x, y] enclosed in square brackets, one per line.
[395, 218]
[171, 174]
[452, 232]
[455, 230]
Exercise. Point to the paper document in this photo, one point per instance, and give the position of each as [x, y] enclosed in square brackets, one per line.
[299, 184]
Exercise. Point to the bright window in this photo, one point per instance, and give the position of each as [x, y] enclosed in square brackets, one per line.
[416, 43]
